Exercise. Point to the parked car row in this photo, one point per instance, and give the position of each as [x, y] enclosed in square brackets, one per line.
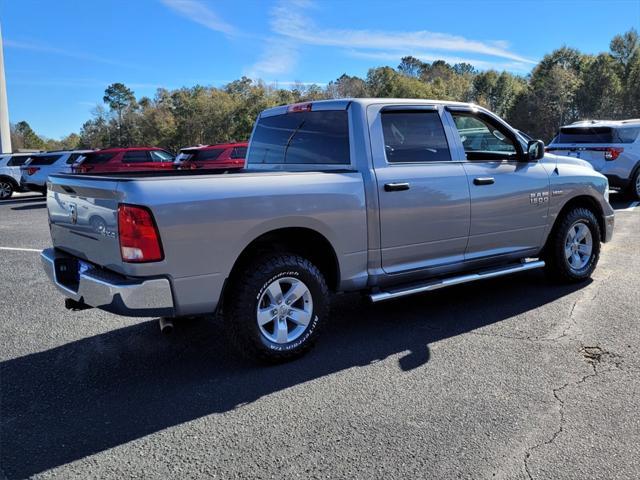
[22, 172]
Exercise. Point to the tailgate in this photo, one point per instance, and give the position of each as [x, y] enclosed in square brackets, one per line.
[83, 218]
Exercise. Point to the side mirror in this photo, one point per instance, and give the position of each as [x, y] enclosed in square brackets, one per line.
[535, 150]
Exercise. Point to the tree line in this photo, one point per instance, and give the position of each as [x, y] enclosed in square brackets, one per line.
[565, 86]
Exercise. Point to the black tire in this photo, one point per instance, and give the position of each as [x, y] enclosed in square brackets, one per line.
[557, 265]
[7, 188]
[633, 189]
[249, 287]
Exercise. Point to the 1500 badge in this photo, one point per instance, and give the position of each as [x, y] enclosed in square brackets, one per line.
[538, 198]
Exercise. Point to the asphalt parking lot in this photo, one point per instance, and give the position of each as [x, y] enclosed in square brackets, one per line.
[511, 378]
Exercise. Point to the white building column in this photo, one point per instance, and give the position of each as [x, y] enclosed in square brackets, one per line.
[5, 131]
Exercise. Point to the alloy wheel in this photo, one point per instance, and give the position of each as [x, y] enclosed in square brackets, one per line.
[284, 310]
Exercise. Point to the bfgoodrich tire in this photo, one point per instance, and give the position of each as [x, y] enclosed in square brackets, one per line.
[274, 309]
[573, 248]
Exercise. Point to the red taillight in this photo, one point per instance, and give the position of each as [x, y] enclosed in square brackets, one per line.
[299, 107]
[32, 170]
[612, 153]
[139, 238]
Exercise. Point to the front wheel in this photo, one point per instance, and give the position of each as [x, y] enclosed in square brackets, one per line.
[573, 247]
[273, 309]
[6, 189]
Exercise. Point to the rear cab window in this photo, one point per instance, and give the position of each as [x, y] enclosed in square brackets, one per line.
[301, 138]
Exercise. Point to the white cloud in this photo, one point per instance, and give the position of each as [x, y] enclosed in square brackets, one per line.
[200, 13]
[396, 56]
[278, 57]
[289, 20]
[36, 47]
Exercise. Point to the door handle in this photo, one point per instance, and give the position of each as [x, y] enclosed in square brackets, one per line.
[484, 181]
[396, 187]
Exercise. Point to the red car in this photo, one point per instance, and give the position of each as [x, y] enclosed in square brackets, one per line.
[222, 155]
[124, 159]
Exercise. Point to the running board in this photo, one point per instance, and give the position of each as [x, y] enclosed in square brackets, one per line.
[447, 282]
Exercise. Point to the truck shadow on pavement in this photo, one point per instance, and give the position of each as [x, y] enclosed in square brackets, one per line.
[90, 395]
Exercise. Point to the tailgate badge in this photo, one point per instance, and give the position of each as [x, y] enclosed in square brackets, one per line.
[73, 213]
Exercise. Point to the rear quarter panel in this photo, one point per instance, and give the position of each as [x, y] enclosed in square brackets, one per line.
[205, 223]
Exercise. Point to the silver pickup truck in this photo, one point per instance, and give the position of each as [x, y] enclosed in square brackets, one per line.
[387, 196]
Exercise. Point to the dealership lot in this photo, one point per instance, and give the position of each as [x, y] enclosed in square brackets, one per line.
[510, 378]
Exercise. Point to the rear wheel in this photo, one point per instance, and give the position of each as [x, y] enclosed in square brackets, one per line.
[634, 186]
[574, 246]
[6, 189]
[273, 310]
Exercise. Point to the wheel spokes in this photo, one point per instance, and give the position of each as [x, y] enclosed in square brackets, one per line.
[296, 291]
[265, 315]
[299, 316]
[584, 249]
[274, 292]
[281, 331]
[581, 232]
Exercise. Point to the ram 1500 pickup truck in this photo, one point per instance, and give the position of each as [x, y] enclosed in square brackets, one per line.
[387, 196]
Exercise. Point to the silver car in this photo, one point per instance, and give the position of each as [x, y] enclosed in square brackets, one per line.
[612, 147]
[36, 170]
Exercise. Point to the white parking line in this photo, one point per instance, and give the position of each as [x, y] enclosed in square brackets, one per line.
[630, 208]
[21, 249]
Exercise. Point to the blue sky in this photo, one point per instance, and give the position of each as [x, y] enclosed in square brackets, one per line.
[60, 55]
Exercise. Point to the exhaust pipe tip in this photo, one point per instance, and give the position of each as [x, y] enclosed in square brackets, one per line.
[75, 306]
[166, 326]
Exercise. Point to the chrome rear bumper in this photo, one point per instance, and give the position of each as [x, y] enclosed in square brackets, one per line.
[108, 290]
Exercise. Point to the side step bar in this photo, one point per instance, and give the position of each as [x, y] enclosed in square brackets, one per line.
[447, 282]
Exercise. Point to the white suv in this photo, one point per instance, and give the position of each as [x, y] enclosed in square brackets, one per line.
[38, 168]
[612, 147]
[10, 173]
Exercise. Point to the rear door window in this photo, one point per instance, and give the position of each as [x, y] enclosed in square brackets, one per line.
[302, 138]
[239, 152]
[628, 135]
[73, 157]
[44, 160]
[97, 158]
[17, 160]
[414, 137]
[207, 155]
[136, 157]
[161, 156]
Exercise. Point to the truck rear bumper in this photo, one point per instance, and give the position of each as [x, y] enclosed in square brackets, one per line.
[108, 290]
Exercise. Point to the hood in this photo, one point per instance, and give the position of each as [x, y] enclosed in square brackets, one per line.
[564, 160]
